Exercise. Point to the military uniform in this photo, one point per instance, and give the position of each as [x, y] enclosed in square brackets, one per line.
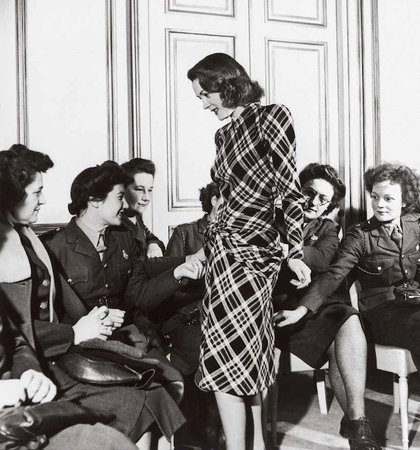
[311, 337]
[369, 255]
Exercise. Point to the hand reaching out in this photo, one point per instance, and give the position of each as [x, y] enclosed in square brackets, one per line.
[302, 272]
[93, 325]
[193, 269]
[154, 251]
[289, 317]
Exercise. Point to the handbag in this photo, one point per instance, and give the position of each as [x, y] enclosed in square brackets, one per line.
[406, 296]
[31, 426]
[108, 363]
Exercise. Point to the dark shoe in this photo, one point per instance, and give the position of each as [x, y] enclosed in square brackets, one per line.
[359, 434]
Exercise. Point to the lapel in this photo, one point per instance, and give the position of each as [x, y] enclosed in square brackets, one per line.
[381, 237]
[79, 241]
[310, 229]
[409, 223]
[111, 244]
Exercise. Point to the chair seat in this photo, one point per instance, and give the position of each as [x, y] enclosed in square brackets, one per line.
[394, 359]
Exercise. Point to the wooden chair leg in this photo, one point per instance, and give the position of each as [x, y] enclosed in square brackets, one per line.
[319, 376]
[395, 389]
[403, 391]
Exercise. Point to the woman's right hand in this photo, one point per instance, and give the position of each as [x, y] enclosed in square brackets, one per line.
[193, 269]
[91, 326]
[12, 393]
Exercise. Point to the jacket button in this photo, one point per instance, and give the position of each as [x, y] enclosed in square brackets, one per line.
[406, 270]
[402, 256]
[69, 280]
[105, 265]
[107, 285]
[43, 305]
[46, 283]
[379, 267]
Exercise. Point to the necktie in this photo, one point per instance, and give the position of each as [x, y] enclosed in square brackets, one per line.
[100, 246]
[397, 236]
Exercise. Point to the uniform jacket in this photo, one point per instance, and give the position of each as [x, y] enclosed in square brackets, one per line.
[142, 234]
[187, 238]
[320, 242]
[121, 280]
[369, 254]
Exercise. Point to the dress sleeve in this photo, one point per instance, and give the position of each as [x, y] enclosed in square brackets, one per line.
[347, 257]
[278, 131]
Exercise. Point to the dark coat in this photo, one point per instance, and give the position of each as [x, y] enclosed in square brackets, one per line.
[369, 254]
[142, 234]
[123, 278]
[187, 238]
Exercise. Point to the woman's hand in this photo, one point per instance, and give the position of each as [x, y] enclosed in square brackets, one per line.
[92, 326]
[39, 388]
[193, 269]
[114, 319]
[200, 255]
[12, 393]
[301, 270]
[289, 317]
[154, 251]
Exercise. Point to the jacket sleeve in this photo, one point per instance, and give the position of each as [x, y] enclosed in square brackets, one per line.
[319, 256]
[146, 291]
[279, 132]
[347, 257]
[53, 339]
[152, 239]
[176, 245]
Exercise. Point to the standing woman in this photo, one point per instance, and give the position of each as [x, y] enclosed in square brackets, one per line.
[254, 166]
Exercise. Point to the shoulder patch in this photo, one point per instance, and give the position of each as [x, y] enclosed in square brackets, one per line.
[46, 236]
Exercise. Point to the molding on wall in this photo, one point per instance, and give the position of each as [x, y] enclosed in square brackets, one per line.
[111, 81]
[376, 82]
[319, 20]
[209, 10]
[133, 78]
[175, 203]
[21, 74]
[321, 48]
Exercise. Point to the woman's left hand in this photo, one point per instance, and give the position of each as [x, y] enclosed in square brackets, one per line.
[289, 317]
[154, 251]
[302, 272]
[39, 388]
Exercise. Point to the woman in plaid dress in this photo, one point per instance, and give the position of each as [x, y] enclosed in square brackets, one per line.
[254, 166]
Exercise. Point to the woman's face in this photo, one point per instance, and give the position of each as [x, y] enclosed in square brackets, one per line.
[110, 210]
[27, 211]
[212, 101]
[386, 200]
[319, 193]
[139, 193]
[215, 203]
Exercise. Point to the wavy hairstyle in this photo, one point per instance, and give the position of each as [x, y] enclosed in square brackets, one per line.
[95, 183]
[328, 173]
[18, 167]
[221, 73]
[139, 165]
[206, 194]
[395, 173]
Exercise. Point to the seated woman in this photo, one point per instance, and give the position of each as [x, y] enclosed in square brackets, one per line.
[102, 263]
[334, 332]
[22, 381]
[47, 311]
[184, 329]
[138, 196]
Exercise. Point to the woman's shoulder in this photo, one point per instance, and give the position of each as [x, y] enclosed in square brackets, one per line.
[274, 111]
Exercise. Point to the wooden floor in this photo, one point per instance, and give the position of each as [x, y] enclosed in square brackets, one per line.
[301, 426]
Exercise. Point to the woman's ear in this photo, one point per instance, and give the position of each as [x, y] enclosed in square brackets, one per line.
[94, 203]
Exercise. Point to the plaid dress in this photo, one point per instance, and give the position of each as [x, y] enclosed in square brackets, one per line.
[254, 168]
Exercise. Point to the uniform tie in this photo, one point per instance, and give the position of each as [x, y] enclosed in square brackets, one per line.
[100, 246]
[396, 235]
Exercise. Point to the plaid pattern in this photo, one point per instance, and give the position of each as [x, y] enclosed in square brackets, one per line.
[254, 167]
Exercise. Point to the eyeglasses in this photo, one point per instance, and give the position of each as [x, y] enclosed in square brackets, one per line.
[311, 194]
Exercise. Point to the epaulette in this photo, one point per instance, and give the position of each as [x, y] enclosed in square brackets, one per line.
[46, 236]
[364, 226]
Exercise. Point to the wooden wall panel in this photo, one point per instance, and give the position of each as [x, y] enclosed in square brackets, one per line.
[188, 133]
[309, 12]
[210, 7]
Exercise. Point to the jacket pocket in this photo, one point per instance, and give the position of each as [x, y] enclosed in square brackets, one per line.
[376, 267]
[78, 275]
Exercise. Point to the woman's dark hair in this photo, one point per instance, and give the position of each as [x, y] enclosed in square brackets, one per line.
[206, 194]
[221, 73]
[395, 173]
[138, 165]
[18, 167]
[95, 183]
[328, 173]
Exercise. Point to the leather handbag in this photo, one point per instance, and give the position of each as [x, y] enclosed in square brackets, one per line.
[31, 426]
[108, 363]
[406, 296]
